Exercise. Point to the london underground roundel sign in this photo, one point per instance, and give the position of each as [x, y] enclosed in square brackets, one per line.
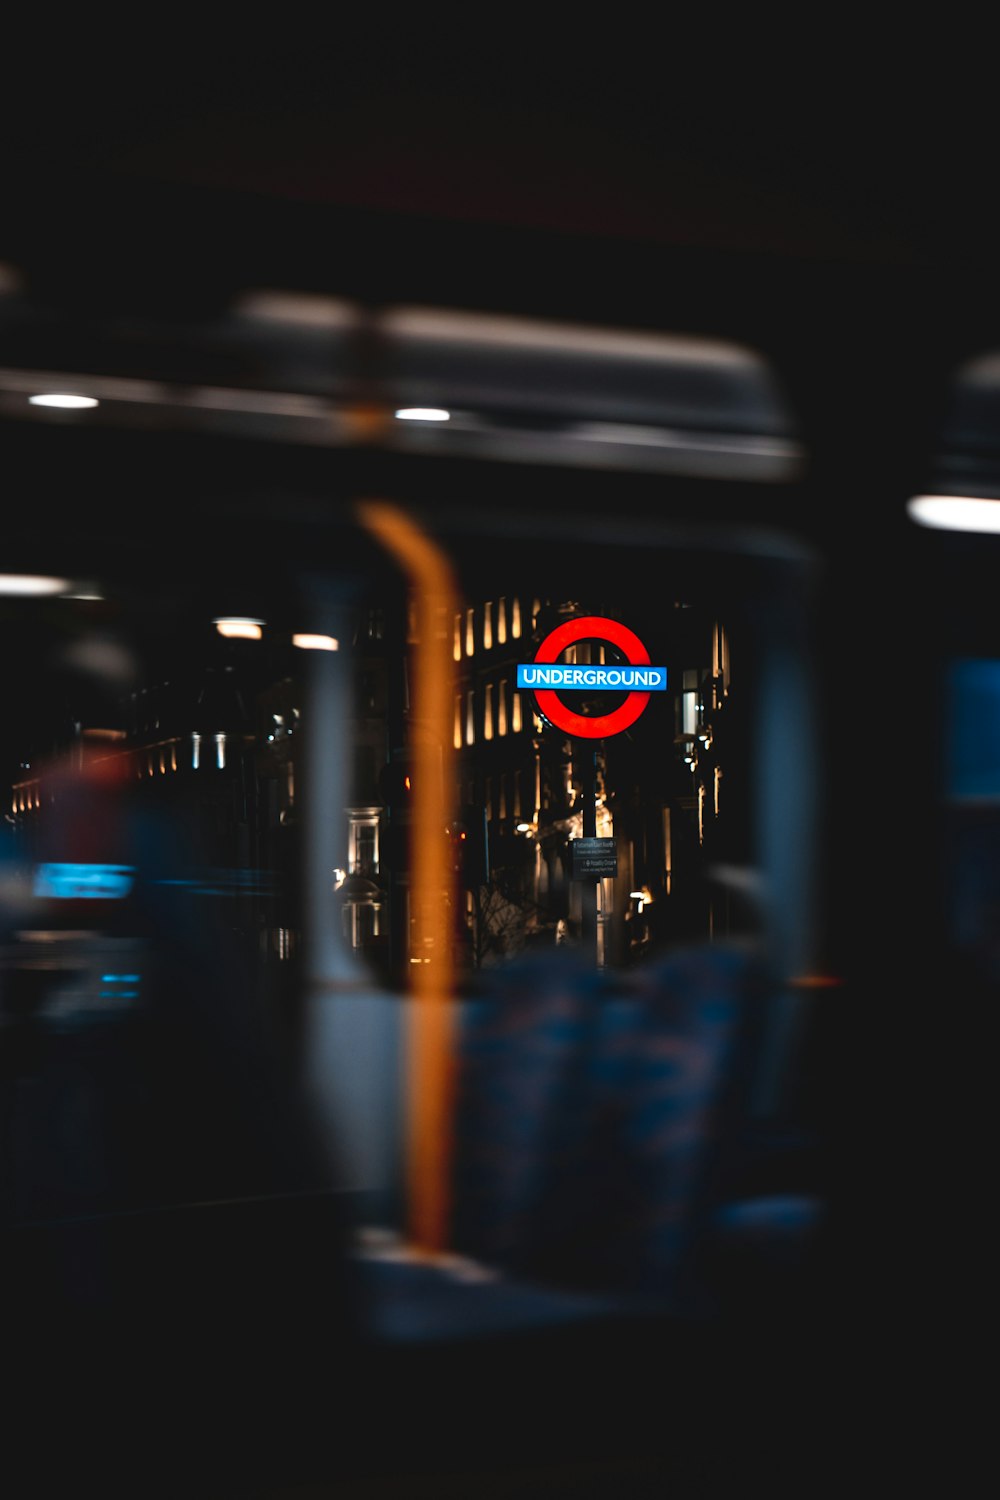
[638, 679]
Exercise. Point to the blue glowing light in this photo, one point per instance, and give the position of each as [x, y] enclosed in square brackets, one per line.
[71, 882]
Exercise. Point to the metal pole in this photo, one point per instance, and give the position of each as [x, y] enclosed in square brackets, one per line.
[588, 793]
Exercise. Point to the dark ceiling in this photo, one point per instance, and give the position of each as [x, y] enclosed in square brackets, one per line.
[650, 182]
[827, 199]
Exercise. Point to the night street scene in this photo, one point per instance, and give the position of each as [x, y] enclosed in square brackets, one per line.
[500, 863]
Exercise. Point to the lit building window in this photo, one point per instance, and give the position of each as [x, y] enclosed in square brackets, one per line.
[724, 659]
[517, 794]
[501, 621]
[488, 713]
[470, 632]
[487, 626]
[457, 737]
[515, 713]
[689, 704]
[502, 708]
[502, 809]
[308, 640]
[220, 751]
[457, 648]
[195, 751]
[363, 841]
[366, 856]
[515, 619]
[236, 629]
[470, 720]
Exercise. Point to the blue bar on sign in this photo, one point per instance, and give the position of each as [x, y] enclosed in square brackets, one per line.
[628, 679]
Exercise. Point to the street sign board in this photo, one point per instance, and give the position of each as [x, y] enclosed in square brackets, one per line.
[624, 679]
[592, 859]
[546, 675]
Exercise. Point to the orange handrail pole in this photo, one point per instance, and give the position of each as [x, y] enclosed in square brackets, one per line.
[430, 1052]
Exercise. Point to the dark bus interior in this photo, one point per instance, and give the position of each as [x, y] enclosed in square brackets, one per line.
[686, 1179]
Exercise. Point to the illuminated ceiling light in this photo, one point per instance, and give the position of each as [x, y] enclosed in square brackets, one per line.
[32, 584]
[955, 513]
[64, 400]
[238, 627]
[524, 827]
[316, 642]
[423, 414]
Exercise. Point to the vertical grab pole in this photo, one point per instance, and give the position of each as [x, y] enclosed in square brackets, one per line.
[430, 1062]
[588, 792]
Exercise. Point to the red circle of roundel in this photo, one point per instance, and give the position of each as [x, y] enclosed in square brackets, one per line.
[590, 627]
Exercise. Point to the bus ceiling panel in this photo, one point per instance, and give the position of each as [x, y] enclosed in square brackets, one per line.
[438, 357]
[300, 369]
[611, 446]
[308, 342]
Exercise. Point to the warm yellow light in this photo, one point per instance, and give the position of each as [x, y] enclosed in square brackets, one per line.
[236, 627]
[316, 642]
